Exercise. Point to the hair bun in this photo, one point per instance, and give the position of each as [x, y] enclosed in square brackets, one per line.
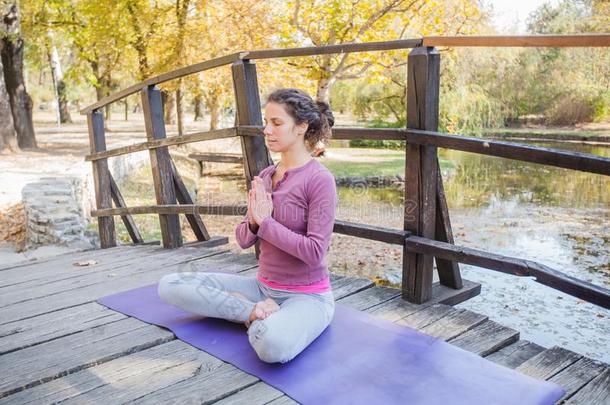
[324, 108]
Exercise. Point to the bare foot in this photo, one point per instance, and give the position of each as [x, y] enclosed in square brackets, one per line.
[262, 310]
[240, 295]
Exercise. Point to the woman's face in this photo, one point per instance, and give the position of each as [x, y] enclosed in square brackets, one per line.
[281, 132]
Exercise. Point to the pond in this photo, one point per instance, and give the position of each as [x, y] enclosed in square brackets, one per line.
[558, 217]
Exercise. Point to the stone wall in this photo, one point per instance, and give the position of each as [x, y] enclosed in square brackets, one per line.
[54, 214]
[370, 181]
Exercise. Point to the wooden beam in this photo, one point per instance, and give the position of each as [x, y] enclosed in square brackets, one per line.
[572, 40]
[161, 166]
[217, 157]
[101, 178]
[510, 265]
[535, 154]
[552, 157]
[341, 133]
[333, 49]
[381, 234]
[174, 74]
[158, 143]
[448, 271]
[128, 221]
[378, 233]
[235, 210]
[183, 197]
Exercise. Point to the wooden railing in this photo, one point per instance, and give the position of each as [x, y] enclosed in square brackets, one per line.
[426, 234]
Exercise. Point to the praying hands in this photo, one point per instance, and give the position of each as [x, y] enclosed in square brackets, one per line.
[260, 204]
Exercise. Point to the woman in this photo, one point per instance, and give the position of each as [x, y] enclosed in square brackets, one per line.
[291, 212]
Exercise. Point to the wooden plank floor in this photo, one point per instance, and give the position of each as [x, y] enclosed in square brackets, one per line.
[58, 345]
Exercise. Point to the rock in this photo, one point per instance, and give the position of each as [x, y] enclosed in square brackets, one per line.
[370, 181]
[390, 277]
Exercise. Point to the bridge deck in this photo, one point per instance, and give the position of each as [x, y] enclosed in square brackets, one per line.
[58, 344]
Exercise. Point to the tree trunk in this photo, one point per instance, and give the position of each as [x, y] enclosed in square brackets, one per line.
[64, 113]
[179, 112]
[198, 108]
[99, 93]
[169, 107]
[105, 89]
[214, 115]
[59, 84]
[8, 137]
[12, 61]
[324, 86]
[139, 42]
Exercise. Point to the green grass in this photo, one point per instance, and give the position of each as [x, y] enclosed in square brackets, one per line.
[369, 162]
[549, 132]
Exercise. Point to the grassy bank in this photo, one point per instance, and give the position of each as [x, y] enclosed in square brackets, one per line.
[369, 162]
[555, 134]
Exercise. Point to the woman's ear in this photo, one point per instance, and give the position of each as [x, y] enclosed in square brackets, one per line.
[302, 128]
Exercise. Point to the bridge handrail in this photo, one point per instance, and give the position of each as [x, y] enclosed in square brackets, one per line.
[574, 40]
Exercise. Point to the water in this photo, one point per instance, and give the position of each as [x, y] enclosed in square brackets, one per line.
[558, 217]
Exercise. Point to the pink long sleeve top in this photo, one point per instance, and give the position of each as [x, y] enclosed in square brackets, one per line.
[294, 240]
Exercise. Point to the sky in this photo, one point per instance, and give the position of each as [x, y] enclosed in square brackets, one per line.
[510, 15]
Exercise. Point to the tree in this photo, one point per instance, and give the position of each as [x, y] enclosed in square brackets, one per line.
[12, 62]
[569, 85]
[58, 82]
[330, 22]
[245, 26]
[8, 138]
[380, 94]
[38, 24]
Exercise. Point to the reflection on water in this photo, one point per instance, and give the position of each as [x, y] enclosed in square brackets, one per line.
[478, 180]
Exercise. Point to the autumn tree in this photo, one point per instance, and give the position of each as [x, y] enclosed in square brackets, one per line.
[8, 136]
[40, 26]
[245, 26]
[11, 52]
[330, 22]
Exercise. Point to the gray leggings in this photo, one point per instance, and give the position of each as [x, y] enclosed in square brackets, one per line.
[302, 317]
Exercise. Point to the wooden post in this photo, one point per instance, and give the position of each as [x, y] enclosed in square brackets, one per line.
[101, 178]
[128, 221]
[161, 164]
[184, 197]
[421, 172]
[248, 103]
[448, 271]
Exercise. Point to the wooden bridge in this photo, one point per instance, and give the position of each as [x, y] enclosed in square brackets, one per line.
[58, 344]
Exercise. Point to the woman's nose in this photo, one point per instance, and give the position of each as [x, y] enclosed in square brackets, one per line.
[267, 129]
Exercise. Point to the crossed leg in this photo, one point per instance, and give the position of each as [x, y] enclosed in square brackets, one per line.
[286, 333]
[218, 295]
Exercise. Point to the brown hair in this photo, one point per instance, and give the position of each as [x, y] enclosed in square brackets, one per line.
[303, 108]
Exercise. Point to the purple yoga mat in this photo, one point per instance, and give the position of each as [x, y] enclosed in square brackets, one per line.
[358, 359]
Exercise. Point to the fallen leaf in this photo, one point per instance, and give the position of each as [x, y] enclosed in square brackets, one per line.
[85, 263]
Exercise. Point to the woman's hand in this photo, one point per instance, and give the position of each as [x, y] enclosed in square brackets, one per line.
[260, 203]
